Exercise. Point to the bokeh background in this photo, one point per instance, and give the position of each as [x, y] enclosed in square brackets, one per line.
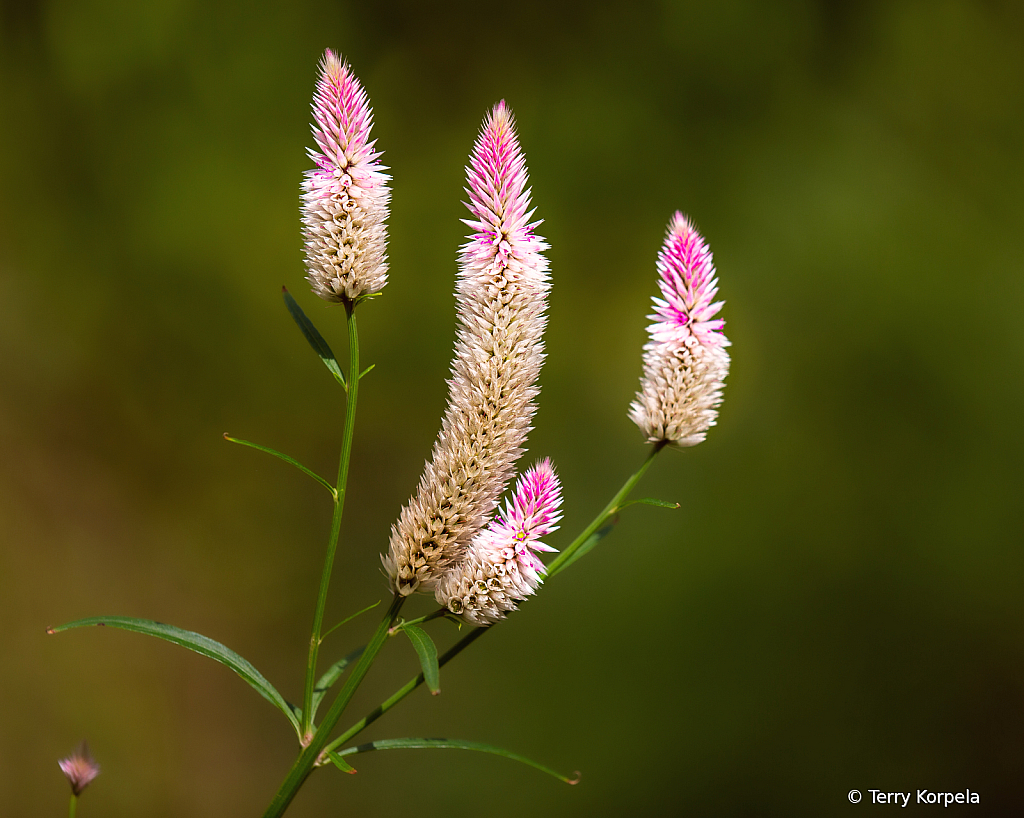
[838, 602]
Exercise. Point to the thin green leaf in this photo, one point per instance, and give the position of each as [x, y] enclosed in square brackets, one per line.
[316, 340]
[451, 744]
[650, 501]
[427, 652]
[363, 298]
[286, 459]
[200, 644]
[587, 545]
[330, 677]
[348, 618]
[366, 371]
[341, 764]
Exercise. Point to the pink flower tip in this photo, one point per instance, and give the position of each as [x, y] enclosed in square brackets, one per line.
[342, 117]
[499, 199]
[688, 284]
[531, 513]
[79, 768]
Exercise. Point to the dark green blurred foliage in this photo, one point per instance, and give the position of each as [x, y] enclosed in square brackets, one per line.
[836, 605]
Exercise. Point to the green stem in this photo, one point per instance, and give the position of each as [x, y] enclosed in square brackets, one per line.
[400, 694]
[310, 754]
[608, 511]
[475, 634]
[339, 508]
[73, 807]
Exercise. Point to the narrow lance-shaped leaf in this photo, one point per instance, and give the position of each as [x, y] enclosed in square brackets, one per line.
[649, 501]
[451, 744]
[331, 676]
[316, 340]
[427, 652]
[348, 618]
[200, 644]
[285, 458]
[341, 764]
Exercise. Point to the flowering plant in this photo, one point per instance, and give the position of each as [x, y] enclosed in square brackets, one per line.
[454, 539]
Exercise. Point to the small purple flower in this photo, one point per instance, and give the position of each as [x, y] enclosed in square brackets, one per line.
[501, 567]
[685, 362]
[345, 198]
[79, 769]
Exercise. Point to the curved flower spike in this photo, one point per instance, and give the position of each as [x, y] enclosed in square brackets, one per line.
[685, 362]
[501, 293]
[501, 569]
[345, 198]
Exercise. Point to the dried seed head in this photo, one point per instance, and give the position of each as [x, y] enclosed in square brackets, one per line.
[685, 362]
[501, 293]
[345, 198]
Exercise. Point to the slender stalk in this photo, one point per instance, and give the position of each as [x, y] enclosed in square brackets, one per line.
[339, 508]
[315, 752]
[606, 512]
[419, 620]
[475, 634]
[73, 806]
[400, 694]
[310, 754]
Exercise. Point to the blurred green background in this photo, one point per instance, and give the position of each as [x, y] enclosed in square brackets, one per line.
[836, 605]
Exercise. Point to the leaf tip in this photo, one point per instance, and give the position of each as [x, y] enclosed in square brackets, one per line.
[284, 289]
[50, 631]
[574, 780]
[436, 692]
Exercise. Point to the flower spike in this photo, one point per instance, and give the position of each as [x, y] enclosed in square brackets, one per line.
[345, 198]
[501, 292]
[501, 568]
[685, 362]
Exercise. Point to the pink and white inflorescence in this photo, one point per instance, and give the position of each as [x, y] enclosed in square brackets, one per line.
[79, 769]
[501, 567]
[345, 198]
[501, 296]
[685, 362]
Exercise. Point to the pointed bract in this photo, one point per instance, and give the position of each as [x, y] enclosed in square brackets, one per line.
[345, 198]
[685, 362]
[501, 292]
[500, 568]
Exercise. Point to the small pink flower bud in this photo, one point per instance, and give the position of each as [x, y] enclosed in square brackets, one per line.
[79, 768]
